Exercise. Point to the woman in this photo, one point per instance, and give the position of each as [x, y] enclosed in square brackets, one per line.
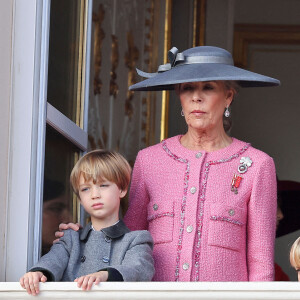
[208, 200]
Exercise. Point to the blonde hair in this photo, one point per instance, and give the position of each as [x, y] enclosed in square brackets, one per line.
[101, 165]
[295, 254]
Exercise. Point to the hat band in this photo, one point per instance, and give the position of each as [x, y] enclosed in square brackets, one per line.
[178, 59]
[204, 60]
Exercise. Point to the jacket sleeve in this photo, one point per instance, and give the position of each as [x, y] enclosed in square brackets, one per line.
[136, 216]
[138, 264]
[55, 262]
[261, 225]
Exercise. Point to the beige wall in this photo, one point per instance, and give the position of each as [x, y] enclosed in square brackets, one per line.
[6, 8]
[268, 118]
[272, 121]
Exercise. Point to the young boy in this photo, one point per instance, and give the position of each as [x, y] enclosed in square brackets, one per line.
[105, 249]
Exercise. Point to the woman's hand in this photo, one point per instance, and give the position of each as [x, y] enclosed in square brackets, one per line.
[63, 226]
[86, 282]
[30, 281]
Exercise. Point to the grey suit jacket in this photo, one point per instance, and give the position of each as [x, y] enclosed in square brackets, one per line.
[86, 251]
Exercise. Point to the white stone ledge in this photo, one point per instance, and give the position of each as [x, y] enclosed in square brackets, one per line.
[159, 290]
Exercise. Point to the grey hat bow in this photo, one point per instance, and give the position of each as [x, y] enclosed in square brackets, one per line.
[202, 63]
[173, 57]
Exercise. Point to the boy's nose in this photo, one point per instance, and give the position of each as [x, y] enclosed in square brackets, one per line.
[95, 193]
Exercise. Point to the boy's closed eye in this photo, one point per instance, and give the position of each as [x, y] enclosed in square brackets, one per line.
[104, 185]
[84, 189]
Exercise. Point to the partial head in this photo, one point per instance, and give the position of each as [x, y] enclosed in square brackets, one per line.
[295, 256]
[196, 64]
[279, 215]
[101, 165]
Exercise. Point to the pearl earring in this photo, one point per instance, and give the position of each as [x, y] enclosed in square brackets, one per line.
[227, 112]
[182, 114]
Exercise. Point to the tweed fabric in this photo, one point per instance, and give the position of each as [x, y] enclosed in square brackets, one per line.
[87, 251]
[202, 230]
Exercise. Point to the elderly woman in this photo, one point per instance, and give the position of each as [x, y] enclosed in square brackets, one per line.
[209, 200]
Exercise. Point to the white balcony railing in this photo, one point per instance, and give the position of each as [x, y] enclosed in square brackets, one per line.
[159, 290]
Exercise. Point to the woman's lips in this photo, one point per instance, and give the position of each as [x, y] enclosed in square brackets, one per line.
[198, 112]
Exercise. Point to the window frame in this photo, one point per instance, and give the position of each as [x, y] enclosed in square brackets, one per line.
[57, 120]
[29, 114]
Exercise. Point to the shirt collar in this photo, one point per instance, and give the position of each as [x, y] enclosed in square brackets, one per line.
[114, 231]
[111, 225]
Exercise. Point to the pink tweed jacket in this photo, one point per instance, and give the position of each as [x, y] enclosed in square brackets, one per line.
[206, 224]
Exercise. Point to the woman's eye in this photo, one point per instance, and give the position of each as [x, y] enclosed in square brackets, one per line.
[208, 87]
[187, 88]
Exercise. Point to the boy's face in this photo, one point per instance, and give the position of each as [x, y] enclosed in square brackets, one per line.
[101, 201]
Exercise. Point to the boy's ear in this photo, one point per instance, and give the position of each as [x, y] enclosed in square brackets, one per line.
[123, 193]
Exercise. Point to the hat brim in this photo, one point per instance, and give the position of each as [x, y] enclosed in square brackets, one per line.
[203, 72]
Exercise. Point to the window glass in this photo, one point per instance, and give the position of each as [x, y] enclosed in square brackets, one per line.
[65, 57]
[59, 203]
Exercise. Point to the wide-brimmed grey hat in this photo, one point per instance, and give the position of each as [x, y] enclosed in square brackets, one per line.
[204, 63]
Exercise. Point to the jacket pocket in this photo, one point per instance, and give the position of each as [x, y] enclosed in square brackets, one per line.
[226, 226]
[161, 222]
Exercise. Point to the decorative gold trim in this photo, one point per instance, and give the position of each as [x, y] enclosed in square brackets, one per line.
[78, 86]
[98, 39]
[245, 34]
[81, 84]
[166, 94]
[75, 202]
[199, 10]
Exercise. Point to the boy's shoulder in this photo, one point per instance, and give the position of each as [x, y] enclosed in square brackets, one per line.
[140, 233]
[122, 232]
[71, 235]
[139, 237]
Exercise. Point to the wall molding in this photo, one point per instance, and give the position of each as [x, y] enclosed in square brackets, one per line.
[246, 34]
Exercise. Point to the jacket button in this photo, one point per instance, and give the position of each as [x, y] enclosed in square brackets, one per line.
[189, 228]
[83, 258]
[155, 207]
[185, 266]
[107, 239]
[193, 190]
[231, 212]
[198, 155]
[105, 259]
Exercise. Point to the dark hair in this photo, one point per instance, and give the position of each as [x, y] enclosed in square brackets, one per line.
[52, 189]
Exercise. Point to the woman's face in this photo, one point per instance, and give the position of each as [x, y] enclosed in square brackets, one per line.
[203, 103]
